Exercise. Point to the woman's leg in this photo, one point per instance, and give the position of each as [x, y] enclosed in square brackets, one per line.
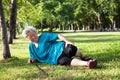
[72, 50]
[83, 57]
[76, 62]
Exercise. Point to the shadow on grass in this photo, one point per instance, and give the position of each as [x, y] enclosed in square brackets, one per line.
[91, 77]
[24, 70]
[94, 38]
[107, 59]
[14, 62]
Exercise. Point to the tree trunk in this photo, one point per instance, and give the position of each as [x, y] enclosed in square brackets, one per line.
[5, 45]
[51, 27]
[41, 26]
[13, 14]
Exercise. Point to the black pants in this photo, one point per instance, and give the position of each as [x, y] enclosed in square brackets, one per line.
[67, 54]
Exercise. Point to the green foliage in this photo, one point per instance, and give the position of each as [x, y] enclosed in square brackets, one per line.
[104, 46]
[51, 13]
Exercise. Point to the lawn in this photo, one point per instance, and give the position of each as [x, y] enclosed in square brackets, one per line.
[104, 46]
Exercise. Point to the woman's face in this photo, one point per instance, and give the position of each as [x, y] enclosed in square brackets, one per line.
[32, 36]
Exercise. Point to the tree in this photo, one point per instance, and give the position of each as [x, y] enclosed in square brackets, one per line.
[69, 14]
[12, 27]
[5, 45]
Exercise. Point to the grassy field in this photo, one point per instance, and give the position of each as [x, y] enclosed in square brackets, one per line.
[104, 46]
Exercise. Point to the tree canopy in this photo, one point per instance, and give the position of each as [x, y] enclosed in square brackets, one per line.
[96, 15]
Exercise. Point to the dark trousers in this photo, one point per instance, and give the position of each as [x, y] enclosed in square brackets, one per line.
[67, 54]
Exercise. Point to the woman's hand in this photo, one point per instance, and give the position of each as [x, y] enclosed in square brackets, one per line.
[61, 37]
[68, 43]
[31, 61]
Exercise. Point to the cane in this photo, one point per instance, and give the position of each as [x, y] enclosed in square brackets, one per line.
[43, 71]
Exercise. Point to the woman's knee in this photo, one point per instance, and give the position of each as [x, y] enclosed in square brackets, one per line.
[65, 61]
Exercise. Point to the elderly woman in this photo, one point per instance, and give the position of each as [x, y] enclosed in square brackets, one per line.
[48, 49]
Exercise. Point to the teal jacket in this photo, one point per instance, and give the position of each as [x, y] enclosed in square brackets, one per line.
[49, 48]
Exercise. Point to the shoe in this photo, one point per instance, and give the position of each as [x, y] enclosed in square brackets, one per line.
[92, 63]
[95, 62]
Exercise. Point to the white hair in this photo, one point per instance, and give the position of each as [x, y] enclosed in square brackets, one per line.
[28, 29]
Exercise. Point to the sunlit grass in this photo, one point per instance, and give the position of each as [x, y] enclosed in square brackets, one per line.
[104, 46]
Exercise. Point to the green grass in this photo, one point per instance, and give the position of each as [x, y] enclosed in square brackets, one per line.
[104, 46]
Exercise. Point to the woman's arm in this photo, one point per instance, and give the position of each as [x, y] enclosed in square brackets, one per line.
[61, 37]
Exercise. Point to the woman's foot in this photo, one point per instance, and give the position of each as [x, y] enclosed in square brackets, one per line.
[92, 63]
